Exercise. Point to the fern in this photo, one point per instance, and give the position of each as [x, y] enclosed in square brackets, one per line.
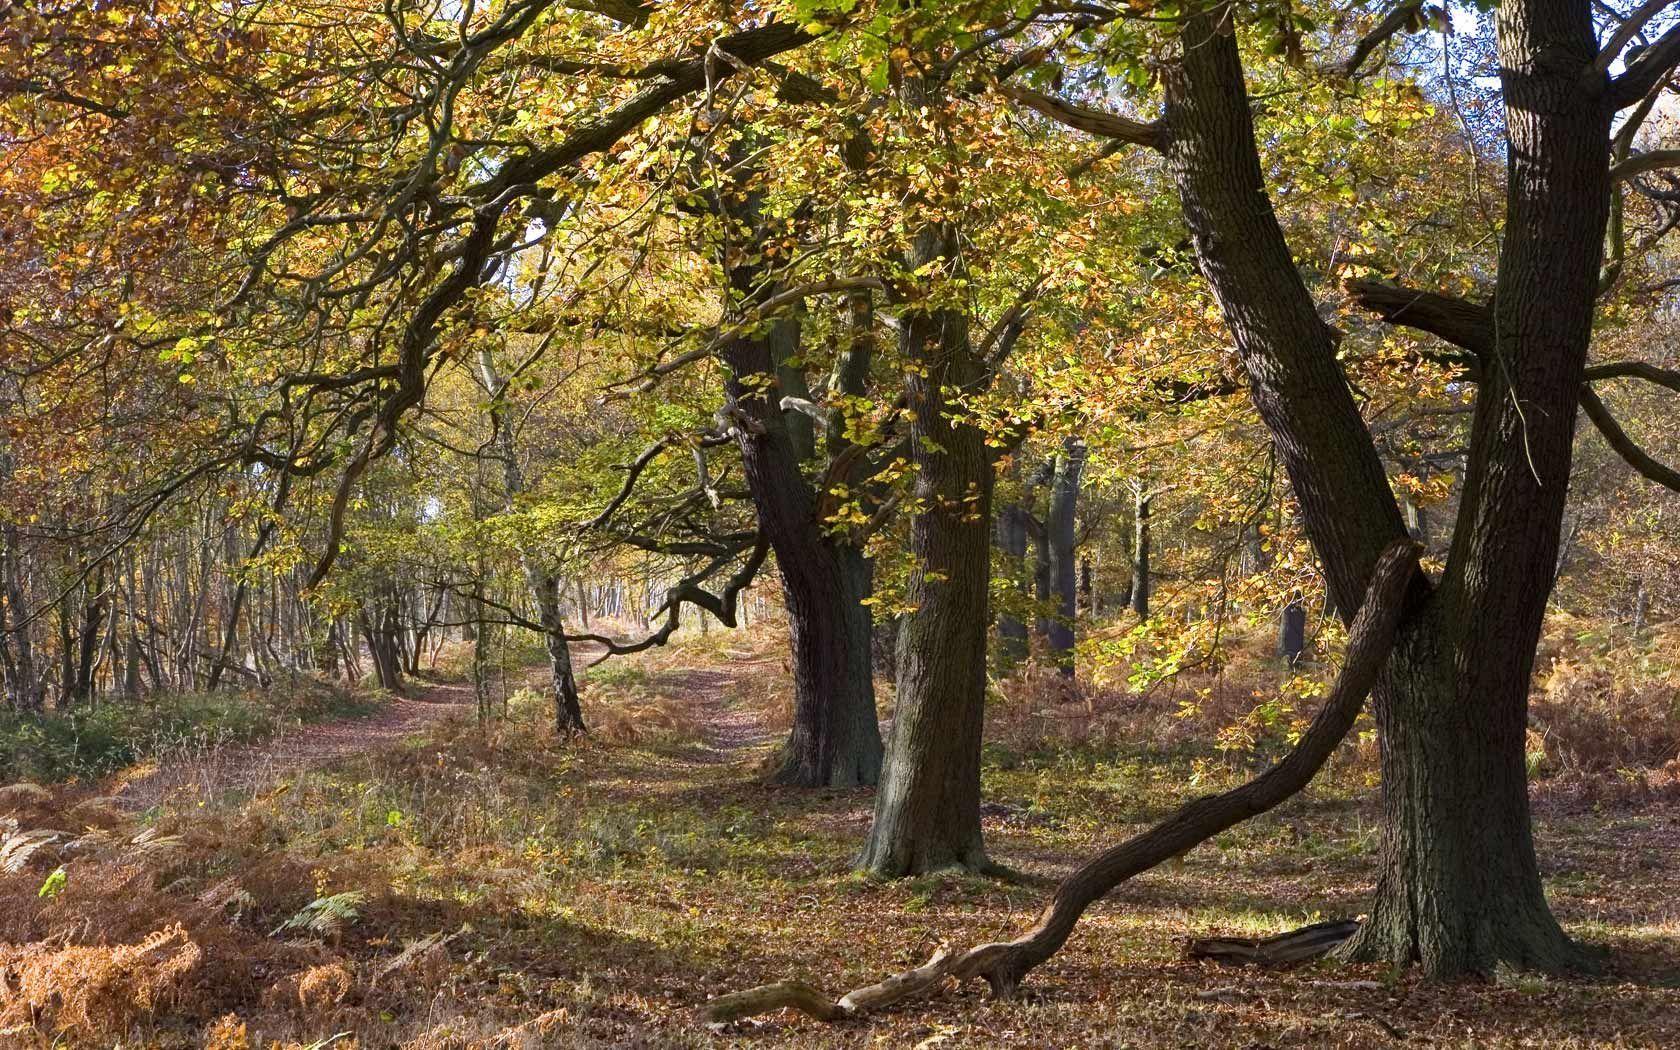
[18, 848]
[326, 916]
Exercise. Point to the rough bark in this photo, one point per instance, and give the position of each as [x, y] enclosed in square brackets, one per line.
[927, 812]
[1460, 888]
[835, 740]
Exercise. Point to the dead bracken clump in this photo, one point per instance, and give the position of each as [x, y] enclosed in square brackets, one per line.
[93, 989]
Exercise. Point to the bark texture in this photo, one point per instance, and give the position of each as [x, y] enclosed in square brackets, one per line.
[1460, 889]
[927, 813]
[835, 740]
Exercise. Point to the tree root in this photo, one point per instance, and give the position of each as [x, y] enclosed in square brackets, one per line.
[1004, 964]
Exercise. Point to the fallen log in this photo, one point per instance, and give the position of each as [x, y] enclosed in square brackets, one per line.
[1003, 964]
[1285, 949]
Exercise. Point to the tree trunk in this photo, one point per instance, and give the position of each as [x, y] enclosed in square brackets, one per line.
[568, 708]
[1059, 531]
[24, 687]
[835, 740]
[1013, 646]
[543, 585]
[1292, 630]
[1460, 889]
[1005, 963]
[927, 813]
[1139, 598]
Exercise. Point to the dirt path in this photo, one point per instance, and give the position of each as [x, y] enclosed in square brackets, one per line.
[728, 728]
[252, 766]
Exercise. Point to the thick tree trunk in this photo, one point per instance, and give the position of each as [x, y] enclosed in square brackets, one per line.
[1460, 889]
[927, 813]
[1059, 531]
[836, 739]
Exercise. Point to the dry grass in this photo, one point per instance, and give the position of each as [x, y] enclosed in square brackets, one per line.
[509, 890]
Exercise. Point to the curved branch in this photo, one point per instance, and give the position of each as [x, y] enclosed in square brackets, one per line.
[1396, 586]
[1379, 35]
[1644, 73]
[1084, 118]
[721, 605]
[1640, 163]
[1617, 438]
[1667, 377]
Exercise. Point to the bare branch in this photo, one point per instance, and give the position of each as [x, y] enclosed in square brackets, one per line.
[1646, 72]
[1084, 118]
[1379, 35]
[1640, 163]
[1618, 439]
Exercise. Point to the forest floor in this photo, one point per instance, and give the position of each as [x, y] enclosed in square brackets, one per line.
[248, 767]
[450, 885]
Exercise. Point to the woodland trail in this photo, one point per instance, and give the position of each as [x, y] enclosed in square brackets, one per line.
[213, 768]
[727, 730]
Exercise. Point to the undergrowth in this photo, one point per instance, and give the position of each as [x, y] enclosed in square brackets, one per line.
[489, 887]
[87, 742]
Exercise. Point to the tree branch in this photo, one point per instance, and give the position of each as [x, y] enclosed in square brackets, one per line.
[1618, 439]
[1464, 324]
[1471, 326]
[1644, 73]
[1396, 586]
[1627, 31]
[1084, 118]
[1379, 35]
[1640, 163]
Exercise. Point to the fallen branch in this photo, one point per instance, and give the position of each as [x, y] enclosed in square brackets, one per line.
[1285, 949]
[1003, 964]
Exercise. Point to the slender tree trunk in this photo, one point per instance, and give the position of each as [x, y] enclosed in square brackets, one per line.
[1059, 532]
[24, 688]
[1139, 599]
[543, 585]
[1292, 630]
[1013, 644]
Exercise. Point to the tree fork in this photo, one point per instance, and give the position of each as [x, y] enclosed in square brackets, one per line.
[1396, 589]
